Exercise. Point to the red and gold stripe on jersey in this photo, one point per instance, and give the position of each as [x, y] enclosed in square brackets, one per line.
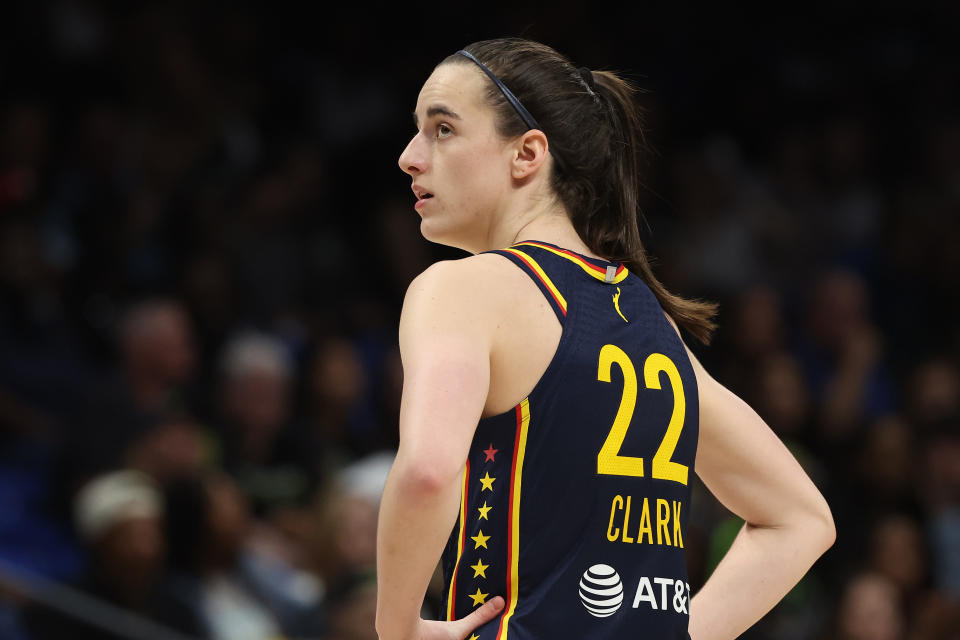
[591, 269]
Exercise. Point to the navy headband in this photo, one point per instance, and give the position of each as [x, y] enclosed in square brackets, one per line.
[512, 99]
[528, 119]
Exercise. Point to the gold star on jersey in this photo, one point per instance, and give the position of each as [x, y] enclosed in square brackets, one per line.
[478, 597]
[480, 540]
[480, 569]
[484, 510]
[487, 482]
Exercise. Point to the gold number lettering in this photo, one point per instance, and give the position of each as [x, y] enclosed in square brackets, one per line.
[609, 460]
[663, 466]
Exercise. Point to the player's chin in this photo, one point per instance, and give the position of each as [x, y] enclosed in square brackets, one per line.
[434, 228]
[439, 233]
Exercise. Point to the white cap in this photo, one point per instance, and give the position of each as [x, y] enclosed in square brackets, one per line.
[113, 498]
[249, 352]
[366, 477]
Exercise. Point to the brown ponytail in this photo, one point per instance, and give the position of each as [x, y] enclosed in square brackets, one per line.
[620, 241]
[597, 130]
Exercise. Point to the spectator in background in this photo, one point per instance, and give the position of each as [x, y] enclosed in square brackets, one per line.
[887, 464]
[757, 333]
[934, 388]
[342, 415]
[343, 548]
[158, 353]
[217, 588]
[351, 609]
[172, 447]
[879, 480]
[344, 545]
[119, 518]
[938, 618]
[940, 488]
[935, 404]
[157, 362]
[898, 552]
[783, 399]
[874, 607]
[275, 463]
[869, 609]
[844, 357]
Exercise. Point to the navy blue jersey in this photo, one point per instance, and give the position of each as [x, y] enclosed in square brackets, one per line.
[575, 503]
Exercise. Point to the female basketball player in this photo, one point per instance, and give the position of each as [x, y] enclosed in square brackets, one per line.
[551, 414]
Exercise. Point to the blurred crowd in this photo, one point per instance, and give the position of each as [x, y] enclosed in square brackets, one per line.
[205, 241]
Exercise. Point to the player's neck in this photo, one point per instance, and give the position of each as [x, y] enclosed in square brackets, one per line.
[534, 213]
[555, 229]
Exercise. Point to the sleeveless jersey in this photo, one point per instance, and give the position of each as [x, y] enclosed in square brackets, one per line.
[575, 503]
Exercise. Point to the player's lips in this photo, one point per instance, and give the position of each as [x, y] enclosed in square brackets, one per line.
[422, 196]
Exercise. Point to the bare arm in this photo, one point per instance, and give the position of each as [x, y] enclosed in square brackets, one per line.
[788, 523]
[445, 348]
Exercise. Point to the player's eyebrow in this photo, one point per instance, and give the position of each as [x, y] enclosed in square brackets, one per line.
[436, 110]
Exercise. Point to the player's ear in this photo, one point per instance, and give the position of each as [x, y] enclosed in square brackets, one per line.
[530, 153]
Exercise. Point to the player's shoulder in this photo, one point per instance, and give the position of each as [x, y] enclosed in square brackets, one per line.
[476, 266]
[479, 277]
[468, 290]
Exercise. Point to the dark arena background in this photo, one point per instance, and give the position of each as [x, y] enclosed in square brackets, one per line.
[205, 241]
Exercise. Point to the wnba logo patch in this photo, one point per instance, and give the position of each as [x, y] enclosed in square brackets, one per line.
[601, 590]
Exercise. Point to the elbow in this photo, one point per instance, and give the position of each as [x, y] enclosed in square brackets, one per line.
[829, 528]
[428, 482]
[817, 521]
[426, 478]
[819, 527]
[812, 527]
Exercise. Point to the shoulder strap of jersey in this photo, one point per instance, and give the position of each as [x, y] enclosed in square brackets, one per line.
[523, 259]
[608, 275]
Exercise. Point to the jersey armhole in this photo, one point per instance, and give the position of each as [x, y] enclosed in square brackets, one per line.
[546, 285]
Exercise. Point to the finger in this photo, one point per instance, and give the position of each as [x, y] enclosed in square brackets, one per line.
[481, 616]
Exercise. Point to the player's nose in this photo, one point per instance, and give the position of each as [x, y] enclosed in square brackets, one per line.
[413, 160]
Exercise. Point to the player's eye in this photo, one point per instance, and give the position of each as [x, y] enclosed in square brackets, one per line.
[444, 130]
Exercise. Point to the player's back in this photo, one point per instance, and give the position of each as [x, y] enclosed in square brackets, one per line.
[575, 502]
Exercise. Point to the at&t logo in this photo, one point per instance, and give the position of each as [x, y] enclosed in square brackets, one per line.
[601, 590]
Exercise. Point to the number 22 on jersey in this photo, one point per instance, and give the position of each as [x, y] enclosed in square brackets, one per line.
[609, 460]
